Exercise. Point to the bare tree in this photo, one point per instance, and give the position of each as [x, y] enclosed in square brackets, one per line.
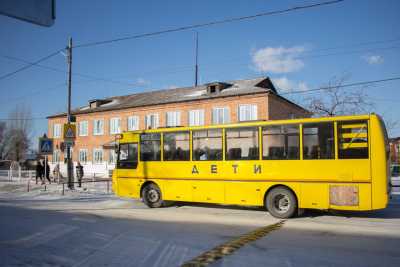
[2, 132]
[337, 100]
[17, 134]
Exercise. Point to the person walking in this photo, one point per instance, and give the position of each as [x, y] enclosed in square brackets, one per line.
[47, 172]
[39, 168]
[79, 173]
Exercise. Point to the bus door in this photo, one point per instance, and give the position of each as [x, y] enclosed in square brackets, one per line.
[127, 168]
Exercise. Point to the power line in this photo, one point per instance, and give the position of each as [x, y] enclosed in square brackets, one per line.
[23, 119]
[87, 76]
[206, 24]
[341, 86]
[30, 65]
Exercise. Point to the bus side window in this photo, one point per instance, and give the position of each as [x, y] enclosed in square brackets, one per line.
[281, 142]
[318, 141]
[207, 144]
[242, 144]
[353, 139]
[127, 156]
[176, 146]
[150, 147]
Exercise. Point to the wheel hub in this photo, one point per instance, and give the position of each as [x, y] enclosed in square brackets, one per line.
[152, 195]
[281, 203]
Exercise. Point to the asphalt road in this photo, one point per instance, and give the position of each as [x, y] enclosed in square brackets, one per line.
[108, 231]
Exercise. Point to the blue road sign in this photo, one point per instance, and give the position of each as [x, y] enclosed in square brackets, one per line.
[45, 146]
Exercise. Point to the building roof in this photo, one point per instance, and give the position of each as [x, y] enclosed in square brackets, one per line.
[184, 94]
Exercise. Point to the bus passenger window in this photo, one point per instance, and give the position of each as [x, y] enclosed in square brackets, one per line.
[242, 144]
[281, 142]
[176, 146]
[318, 141]
[127, 156]
[207, 144]
[353, 139]
[150, 147]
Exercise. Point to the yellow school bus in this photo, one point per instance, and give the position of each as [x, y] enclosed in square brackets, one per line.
[339, 163]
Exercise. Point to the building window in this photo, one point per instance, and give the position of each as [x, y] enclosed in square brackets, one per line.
[242, 143]
[115, 125]
[318, 141]
[98, 127]
[150, 147]
[112, 156]
[176, 146]
[281, 142]
[83, 155]
[247, 112]
[152, 121]
[97, 155]
[83, 128]
[173, 119]
[133, 123]
[57, 130]
[207, 144]
[56, 156]
[196, 117]
[220, 115]
[353, 139]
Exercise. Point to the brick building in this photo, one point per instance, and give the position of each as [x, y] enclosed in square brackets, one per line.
[214, 103]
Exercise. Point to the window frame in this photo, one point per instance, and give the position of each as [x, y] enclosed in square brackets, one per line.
[94, 155]
[223, 113]
[334, 156]
[112, 123]
[338, 142]
[175, 115]
[163, 145]
[87, 155]
[58, 131]
[239, 128]
[146, 118]
[129, 124]
[287, 124]
[222, 144]
[160, 146]
[80, 128]
[129, 164]
[201, 117]
[95, 128]
[250, 106]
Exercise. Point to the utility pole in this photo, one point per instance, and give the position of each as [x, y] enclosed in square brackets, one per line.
[70, 165]
[196, 60]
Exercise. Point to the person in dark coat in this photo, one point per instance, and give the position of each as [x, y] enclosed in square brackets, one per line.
[79, 173]
[39, 171]
[47, 172]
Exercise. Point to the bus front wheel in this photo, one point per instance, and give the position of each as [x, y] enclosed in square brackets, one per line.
[281, 203]
[152, 197]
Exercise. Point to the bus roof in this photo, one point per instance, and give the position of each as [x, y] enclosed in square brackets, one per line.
[257, 123]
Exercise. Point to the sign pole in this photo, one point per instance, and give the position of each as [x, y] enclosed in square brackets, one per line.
[45, 168]
[70, 165]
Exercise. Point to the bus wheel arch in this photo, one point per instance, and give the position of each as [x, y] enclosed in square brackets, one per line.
[151, 194]
[281, 201]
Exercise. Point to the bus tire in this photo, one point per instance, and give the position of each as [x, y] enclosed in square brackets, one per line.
[281, 203]
[151, 195]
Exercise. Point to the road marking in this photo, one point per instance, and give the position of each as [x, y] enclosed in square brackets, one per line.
[50, 233]
[231, 246]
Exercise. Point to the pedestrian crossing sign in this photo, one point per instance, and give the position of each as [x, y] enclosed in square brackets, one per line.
[45, 145]
[69, 131]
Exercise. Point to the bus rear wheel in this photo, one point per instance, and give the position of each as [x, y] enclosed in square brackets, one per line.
[281, 203]
[152, 197]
